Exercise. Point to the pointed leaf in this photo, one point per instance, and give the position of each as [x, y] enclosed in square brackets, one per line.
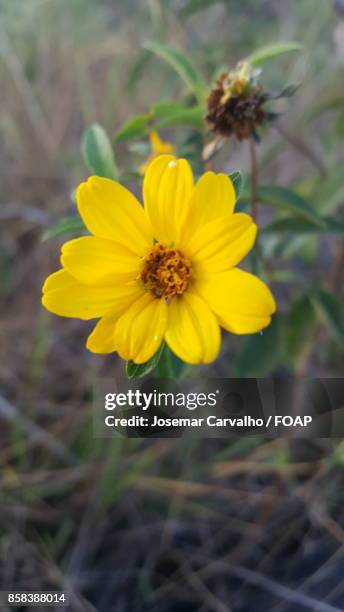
[169, 366]
[134, 128]
[69, 225]
[165, 108]
[188, 117]
[301, 227]
[177, 60]
[258, 58]
[297, 327]
[287, 92]
[98, 153]
[238, 182]
[330, 104]
[135, 370]
[340, 126]
[286, 199]
[260, 352]
[195, 5]
[330, 310]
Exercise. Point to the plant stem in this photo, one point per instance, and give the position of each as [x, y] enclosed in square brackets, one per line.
[254, 178]
[254, 204]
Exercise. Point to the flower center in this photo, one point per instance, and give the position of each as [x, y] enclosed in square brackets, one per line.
[165, 272]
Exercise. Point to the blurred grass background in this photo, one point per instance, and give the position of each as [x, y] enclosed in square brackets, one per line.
[243, 525]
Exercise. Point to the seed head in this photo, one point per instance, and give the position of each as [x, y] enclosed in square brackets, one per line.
[236, 104]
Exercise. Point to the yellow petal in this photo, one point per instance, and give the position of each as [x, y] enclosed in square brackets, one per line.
[242, 302]
[159, 146]
[212, 197]
[193, 332]
[102, 339]
[167, 187]
[140, 331]
[96, 261]
[65, 296]
[111, 211]
[221, 244]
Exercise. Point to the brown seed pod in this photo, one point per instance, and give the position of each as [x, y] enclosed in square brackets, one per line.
[235, 106]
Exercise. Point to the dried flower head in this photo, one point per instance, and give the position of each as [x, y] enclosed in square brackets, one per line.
[236, 104]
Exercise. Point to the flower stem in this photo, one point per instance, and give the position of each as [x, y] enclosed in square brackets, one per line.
[254, 205]
[254, 178]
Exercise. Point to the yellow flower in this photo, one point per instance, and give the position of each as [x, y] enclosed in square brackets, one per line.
[159, 147]
[165, 271]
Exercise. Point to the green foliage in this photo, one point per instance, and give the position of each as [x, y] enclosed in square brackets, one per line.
[164, 364]
[302, 214]
[287, 92]
[179, 115]
[164, 108]
[71, 225]
[260, 57]
[195, 5]
[298, 226]
[340, 126]
[283, 198]
[329, 104]
[298, 325]
[180, 63]
[330, 309]
[134, 128]
[98, 153]
[260, 353]
[238, 182]
[134, 370]
[169, 366]
[57, 71]
[162, 115]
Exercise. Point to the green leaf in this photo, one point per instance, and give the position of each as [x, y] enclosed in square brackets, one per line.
[69, 225]
[297, 327]
[98, 153]
[258, 58]
[302, 227]
[134, 128]
[181, 64]
[195, 5]
[134, 370]
[260, 352]
[287, 92]
[328, 193]
[330, 310]
[136, 71]
[188, 117]
[170, 366]
[340, 126]
[286, 199]
[165, 108]
[330, 104]
[238, 182]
